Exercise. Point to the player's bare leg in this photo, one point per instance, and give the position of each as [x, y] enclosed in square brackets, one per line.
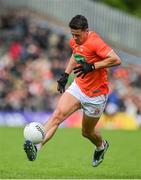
[89, 131]
[66, 106]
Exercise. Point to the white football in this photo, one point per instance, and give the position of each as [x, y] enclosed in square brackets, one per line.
[34, 132]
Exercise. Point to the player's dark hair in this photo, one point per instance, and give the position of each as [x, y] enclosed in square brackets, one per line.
[78, 22]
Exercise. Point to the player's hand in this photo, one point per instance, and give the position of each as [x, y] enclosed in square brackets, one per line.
[83, 69]
[62, 82]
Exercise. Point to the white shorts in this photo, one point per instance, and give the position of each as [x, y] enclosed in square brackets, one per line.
[92, 106]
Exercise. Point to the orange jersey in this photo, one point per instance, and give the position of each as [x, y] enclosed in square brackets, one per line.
[94, 49]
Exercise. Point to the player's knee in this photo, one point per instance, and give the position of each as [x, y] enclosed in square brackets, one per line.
[58, 116]
[86, 133]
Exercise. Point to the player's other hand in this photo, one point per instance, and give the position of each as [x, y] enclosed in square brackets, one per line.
[62, 82]
[83, 69]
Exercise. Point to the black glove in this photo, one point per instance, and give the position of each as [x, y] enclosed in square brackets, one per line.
[62, 82]
[83, 69]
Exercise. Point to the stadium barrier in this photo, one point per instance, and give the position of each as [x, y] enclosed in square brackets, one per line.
[114, 25]
[118, 121]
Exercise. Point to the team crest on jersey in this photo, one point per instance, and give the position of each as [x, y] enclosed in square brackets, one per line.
[78, 48]
[81, 49]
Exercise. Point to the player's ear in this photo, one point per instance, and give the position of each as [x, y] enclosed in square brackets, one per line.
[87, 30]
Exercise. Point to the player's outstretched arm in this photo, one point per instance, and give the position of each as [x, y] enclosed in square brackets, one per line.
[112, 60]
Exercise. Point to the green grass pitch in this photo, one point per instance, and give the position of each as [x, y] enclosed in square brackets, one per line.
[68, 155]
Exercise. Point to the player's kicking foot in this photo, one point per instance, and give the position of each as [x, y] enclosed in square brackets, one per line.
[99, 155]
[31, 150]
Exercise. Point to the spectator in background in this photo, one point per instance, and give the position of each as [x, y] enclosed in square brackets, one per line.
[114, 102]
[25, 51]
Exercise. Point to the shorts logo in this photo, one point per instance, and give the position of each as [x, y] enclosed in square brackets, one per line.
[97, 111]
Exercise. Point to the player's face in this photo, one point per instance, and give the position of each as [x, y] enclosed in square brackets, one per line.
[80, 36]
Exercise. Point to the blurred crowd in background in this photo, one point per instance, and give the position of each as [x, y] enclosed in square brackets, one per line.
[31, 60]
